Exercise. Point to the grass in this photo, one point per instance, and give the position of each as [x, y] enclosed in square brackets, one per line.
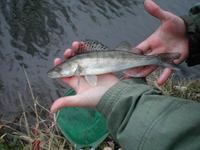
[189, 91]
[44, 135]
[183, 88]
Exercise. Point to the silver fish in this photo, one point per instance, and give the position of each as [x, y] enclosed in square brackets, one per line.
[92, 61]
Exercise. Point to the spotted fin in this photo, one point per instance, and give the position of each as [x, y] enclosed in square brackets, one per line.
[90, 45]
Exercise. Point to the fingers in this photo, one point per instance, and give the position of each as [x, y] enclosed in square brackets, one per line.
[71, 81]
[178, 61]
[153, 9]
[68, 53]
[71, 52]
[143, 47]
[75, 45]
[148, 70]
[164, 76]
[68, 101]
[140, 71]
[183, 56]
[57, 61]
[79, 100]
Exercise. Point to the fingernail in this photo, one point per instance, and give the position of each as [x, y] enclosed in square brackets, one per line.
[148, 51]
[57, 61]
[75, 45]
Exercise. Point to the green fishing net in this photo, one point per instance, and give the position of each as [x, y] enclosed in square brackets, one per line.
[83, 127]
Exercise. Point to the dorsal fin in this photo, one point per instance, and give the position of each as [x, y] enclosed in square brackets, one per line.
[90, 45]
[124, 45]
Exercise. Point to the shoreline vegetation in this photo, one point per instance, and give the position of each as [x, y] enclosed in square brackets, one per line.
[44, 135]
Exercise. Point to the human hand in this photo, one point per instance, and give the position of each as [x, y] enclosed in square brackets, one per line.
[168, 38]
[87, 95]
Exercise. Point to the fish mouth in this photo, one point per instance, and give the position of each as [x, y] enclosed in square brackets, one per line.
[53, 74]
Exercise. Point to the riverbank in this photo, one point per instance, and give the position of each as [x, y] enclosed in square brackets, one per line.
[44, 135]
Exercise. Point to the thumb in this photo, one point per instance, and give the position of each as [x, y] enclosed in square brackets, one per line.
[142, 48]
[155, 10]
[68, 101]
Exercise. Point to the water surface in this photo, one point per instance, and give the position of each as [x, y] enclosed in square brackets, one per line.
[34, 32]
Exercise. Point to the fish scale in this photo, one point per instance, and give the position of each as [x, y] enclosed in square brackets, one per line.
[97, 59]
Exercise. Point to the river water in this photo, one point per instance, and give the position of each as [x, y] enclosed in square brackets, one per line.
[34, 32]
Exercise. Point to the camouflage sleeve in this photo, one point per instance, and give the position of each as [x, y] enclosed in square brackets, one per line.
[192, 22]
[139, 117]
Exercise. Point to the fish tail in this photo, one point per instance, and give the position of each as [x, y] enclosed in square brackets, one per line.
[167, 61]
[180, 70]
[185, 72]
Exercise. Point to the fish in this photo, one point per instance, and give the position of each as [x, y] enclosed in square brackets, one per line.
[94, 58]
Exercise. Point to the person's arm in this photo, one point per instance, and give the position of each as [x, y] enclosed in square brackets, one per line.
[139, 117]
[192, 22]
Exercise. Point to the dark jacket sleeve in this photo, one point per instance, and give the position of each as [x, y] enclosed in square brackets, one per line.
[192, 22]
[140, 118]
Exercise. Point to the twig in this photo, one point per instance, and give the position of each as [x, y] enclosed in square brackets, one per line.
[24, 114]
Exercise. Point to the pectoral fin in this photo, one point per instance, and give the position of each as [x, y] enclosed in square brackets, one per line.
[91, 79]
[77, 73]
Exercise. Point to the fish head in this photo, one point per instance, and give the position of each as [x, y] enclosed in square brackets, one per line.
[64, 70]
[55, 72]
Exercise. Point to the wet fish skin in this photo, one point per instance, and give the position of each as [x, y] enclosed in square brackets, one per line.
[101, 62]
[93, 58]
